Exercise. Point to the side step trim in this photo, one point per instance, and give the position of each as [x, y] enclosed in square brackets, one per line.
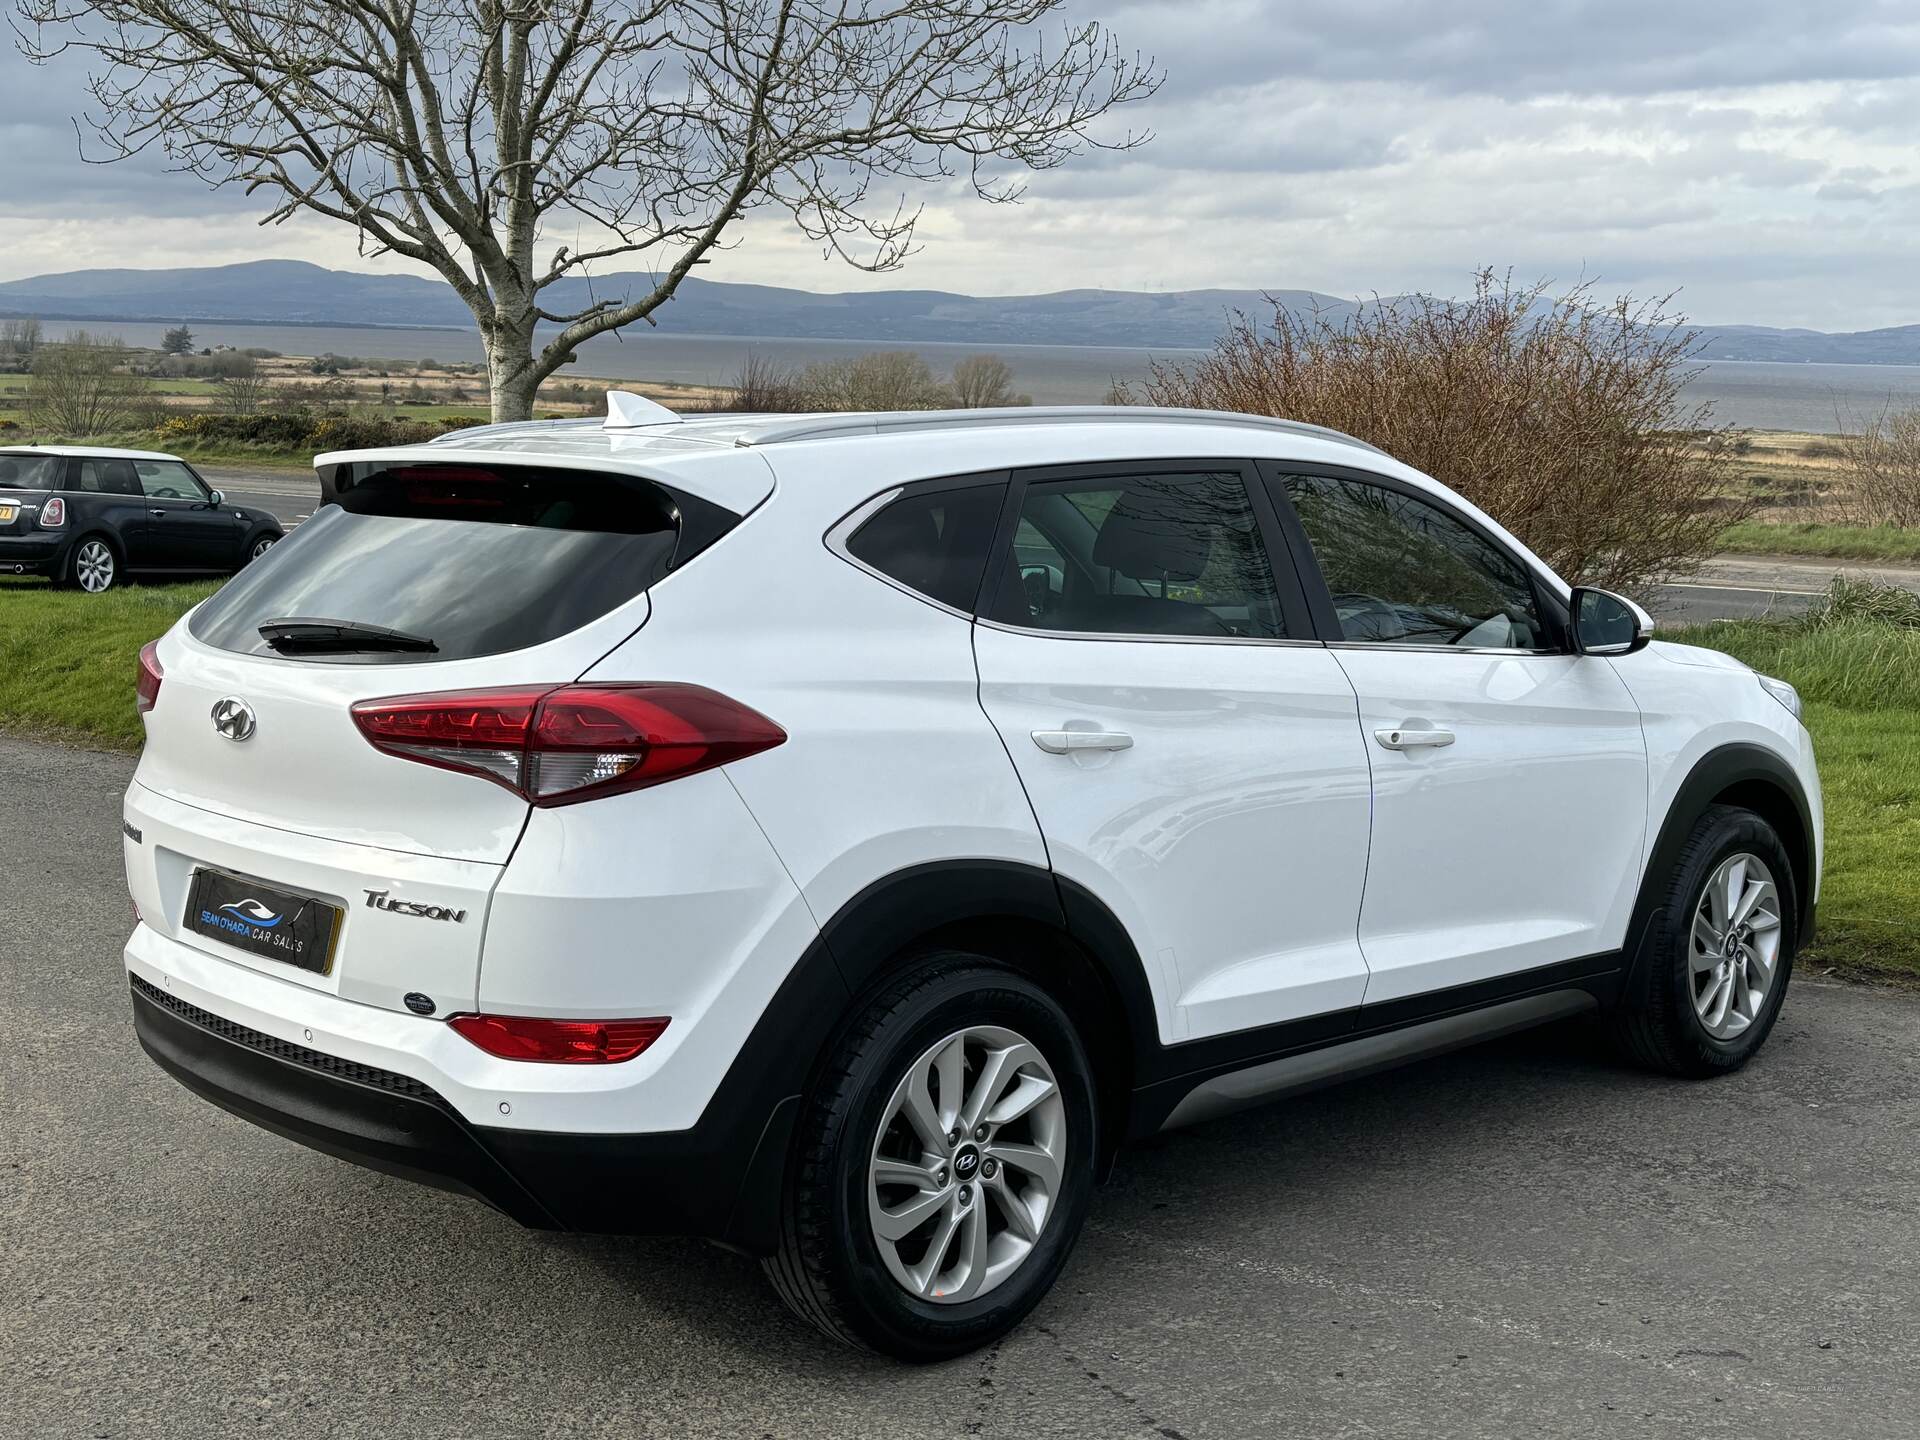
[1292, 1074]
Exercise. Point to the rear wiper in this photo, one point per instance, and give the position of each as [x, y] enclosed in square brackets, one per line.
[297, 635]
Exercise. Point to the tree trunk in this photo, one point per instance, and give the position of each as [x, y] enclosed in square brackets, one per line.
[510, 372]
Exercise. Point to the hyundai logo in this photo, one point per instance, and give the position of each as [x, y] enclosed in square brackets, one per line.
[233, 718]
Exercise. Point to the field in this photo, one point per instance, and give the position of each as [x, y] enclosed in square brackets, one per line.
[67, 671]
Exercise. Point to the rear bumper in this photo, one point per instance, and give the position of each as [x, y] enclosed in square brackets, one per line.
[30, 554]
[690, 1182]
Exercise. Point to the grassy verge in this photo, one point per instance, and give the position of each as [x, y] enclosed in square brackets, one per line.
[1861, 683]
[67, 660]
[1837, 542]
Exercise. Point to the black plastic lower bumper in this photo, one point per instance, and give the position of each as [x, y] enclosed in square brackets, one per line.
[688, 1182]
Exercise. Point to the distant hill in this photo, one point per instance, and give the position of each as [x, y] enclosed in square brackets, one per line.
[292, 292]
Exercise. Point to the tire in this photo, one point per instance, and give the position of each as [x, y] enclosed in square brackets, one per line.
[94, 565]
[834, 1267]
[1680, 1016]
[259, 545]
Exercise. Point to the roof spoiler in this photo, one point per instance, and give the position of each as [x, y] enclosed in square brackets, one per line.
[628, 411]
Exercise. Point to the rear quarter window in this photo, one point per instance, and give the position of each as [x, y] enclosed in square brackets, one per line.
[933, 542]
[479, 560]
[30, 472]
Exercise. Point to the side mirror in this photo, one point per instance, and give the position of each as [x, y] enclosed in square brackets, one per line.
[217, 498]
[1607, 624]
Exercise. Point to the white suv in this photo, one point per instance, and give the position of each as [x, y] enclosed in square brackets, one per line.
[836, 835]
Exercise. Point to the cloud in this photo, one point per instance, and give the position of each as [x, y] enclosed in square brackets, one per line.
[1758, 156]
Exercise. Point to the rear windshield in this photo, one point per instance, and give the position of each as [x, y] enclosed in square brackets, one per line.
[30, 472]
[466, 560]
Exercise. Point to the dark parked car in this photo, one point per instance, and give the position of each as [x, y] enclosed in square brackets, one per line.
[89, 517]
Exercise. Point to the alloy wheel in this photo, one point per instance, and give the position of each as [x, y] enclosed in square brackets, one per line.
[93, 567]
[967, 1168]
[260, 547]
[1733, 951]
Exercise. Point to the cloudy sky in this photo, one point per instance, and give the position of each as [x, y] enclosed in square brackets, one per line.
[1762, 157]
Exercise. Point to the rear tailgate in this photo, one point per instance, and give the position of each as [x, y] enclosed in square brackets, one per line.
[256, 772]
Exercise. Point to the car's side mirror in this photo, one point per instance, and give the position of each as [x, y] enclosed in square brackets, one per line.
[1608, 624]
[217, 498]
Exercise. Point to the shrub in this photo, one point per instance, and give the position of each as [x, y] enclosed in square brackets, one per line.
[878, 380]
[1880, 464]
[1561, 418]
[81, 386]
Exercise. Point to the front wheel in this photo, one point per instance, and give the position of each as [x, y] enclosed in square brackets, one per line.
[260, 547]
[1721, 953]
[943, 1164]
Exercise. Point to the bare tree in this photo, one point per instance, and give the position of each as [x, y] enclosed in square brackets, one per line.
[19, 338]
[762, 386]
[81, 387]
[467, 134]
[982, 380]
[1880, 464]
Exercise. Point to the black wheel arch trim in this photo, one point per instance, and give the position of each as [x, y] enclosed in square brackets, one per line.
[1755, 778]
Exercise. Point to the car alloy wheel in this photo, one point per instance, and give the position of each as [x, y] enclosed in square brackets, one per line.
[261, 546]
[966, 1169]
[1734, 948]
[94, 567]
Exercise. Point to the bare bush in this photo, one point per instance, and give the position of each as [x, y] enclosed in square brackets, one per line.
[1561, 418]
[1880, 467]
[243, 392]
[81, 386]
[980, 381]
[766, 387]
[878, 380]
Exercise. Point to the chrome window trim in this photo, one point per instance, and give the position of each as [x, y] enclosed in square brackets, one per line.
[1405, 647]
[1285, 641]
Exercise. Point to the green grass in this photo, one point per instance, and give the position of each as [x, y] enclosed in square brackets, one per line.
[1861, 682]
[1838, 542]
[68, 660]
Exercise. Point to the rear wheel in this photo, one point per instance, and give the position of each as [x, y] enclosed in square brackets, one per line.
[259, 547]
[943, 1164]
[94, 567]
[1722, 950]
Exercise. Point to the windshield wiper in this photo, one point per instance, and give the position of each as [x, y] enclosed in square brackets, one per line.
[297, 635]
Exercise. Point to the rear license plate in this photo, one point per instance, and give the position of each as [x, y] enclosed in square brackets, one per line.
[7, 512]
[262, 920]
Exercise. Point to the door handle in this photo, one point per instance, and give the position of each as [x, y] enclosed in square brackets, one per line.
[157, 513]
[1067, 742]
[1395, 738]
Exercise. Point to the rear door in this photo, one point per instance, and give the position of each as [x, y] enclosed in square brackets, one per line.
[1192, 754]
[107, 499]
[185, 530]
[1509, 777]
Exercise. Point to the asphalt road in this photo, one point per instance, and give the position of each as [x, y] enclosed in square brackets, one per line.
[1521, 1240]
[1728, 588]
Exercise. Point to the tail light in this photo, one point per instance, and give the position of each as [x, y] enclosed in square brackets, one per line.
[53, 514]
[146, 686]
[558, 1042]
[557, 745]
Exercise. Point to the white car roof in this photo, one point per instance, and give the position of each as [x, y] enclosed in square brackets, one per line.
[89, 452]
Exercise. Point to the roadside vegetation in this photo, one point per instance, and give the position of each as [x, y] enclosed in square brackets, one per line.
[1887, 544]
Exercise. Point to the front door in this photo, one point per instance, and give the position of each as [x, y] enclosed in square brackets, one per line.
[185, 530]
[1509, 777]
[1192, 755]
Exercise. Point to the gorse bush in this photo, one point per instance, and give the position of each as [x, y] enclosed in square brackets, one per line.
[1561, 418]
[304, 430]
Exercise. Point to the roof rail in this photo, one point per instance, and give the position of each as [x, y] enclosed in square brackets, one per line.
[821, 427]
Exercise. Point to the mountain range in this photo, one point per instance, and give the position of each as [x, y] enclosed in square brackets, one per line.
[292, 292]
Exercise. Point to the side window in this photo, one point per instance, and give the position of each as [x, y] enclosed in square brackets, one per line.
[104, 477]
[168, 480]
[1148, 554]
[934, 541]
[1405, 572]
